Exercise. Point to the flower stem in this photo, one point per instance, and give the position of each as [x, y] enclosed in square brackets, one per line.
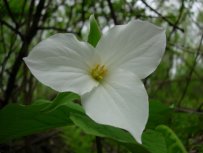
[98, 144]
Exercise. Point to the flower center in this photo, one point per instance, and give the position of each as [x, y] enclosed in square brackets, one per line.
[98, 72]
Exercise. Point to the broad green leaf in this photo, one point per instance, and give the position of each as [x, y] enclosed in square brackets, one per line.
[90, 127]
[159, 113]
[136, 148]
[80, 119]
[172, 141]
[162, 140]
[94, 33]
[154, 141]
[19, 120]
[63, 99]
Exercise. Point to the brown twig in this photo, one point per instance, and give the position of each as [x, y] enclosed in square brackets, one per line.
[189, 110]
[15, 30]
[38, 139]
[163, 17]
[98, 145]
[10, 13]
[23, 51]
[112, 12]
[190, 73]
[55, 28]
[177, 21]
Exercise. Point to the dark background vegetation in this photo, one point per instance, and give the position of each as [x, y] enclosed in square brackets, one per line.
[178, 81]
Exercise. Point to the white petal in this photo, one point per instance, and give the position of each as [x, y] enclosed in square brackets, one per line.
[137, 47]
[62, 63]
[120, 101]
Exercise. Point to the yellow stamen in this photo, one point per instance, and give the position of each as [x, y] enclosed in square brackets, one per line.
[98, 72]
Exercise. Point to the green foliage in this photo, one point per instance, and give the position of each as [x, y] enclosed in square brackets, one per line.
[42, 115]
[172, 141]
[15, 6]
[200, 17]
[90, 127]
[164, 87]
[186, 125]
[136, 148]
[20, 120]
[62, 111]
[94, 33]
[154, 141]
[162, 140]
[77, 140]
[159, 114]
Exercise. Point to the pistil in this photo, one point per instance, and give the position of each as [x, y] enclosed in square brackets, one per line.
[98, 72]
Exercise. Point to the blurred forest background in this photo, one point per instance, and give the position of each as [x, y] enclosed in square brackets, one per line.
[178, 81]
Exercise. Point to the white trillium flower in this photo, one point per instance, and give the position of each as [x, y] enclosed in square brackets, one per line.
[107, 77]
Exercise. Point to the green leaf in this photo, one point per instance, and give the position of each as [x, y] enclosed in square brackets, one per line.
[154, 141]
[19, 120]
[162, 140]
[65, 99]
[94, 33]
[136, 148]
[159, 113]
[90, 127]
[172, 141]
